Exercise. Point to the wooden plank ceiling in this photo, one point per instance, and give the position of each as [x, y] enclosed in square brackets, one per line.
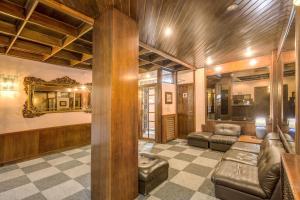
[56, 31]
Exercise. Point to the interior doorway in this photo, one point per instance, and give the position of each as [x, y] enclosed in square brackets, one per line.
[148, 112]
[185, 109]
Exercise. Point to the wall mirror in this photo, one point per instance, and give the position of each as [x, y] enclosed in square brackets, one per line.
[59, 95]
[239, 96]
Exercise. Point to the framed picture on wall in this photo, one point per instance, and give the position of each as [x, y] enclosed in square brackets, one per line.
[168, 97]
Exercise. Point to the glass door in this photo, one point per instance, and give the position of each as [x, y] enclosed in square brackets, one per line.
[148, 112]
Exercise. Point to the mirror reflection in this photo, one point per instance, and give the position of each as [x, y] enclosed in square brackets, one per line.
[239, 96]
[60, 95]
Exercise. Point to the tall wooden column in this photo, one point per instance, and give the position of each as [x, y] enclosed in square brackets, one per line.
[275, 91]
[297, 52]
[115, 108]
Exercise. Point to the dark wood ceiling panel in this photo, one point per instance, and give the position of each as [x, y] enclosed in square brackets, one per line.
[60, 31]
[204, 28]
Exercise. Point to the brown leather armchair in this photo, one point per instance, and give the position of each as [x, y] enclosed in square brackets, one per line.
[224, 136]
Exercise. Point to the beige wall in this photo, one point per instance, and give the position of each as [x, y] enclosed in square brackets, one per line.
[185, 77]
[247, 87]
[200, 96]
[168, 109]
[11, 106]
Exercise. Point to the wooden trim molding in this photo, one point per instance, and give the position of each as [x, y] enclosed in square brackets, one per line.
[28, 144]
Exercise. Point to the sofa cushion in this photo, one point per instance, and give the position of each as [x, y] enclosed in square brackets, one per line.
[248, 147]
[269, 169]
[241, 157]
[150, 166]
[227, 129]
[238, 176]
[200, 135]
[223, 139]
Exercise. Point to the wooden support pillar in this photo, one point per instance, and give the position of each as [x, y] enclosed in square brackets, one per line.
[114, 165]
[274, 97]
[297, 52]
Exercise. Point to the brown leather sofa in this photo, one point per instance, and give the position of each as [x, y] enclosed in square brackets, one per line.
[199, 139]
[153, 171]
[224, 136]
[247, 174]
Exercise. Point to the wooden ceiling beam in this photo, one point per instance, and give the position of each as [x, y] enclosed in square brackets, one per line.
[7, 28]
[79, 48]
[166, 55]
[69, 55]
[84, 58]
[58, 61]
[83, 66]
[4, 41]
[41, 38]
[12, 10]
[68, 40]
[53, 24]
[26, 55]
[32, 47]
[69, 11]
[31, 5]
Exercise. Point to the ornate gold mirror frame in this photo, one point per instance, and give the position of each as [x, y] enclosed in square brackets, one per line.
[64, 84]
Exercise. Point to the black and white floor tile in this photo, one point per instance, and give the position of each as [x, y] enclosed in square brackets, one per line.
[66, 175]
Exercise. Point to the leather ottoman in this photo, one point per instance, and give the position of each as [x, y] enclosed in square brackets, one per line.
[199, 139]
[153, 171]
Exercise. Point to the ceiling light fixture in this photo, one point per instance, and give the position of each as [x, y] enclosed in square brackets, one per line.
[232, 7]
[253, 62]
[209, 61]
[249, 52]
[297, 2]
[218, 68]
[168, 32]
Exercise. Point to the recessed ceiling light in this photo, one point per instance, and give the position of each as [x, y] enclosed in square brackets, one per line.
[253, 62]
[148, 76]
[249, 52]
[168, 31]
[218, 68]
[209, 61]
[297, 2]
[232, 7]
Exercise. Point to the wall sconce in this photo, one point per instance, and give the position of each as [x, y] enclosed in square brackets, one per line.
[8, 84]
[260, 124]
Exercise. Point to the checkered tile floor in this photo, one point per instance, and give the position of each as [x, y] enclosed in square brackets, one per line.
[66, 175]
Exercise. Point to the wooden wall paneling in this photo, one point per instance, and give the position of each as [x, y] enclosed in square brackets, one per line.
[169, 127]
[114, 166]
[297, 52]
[32, 143]
[20, 145]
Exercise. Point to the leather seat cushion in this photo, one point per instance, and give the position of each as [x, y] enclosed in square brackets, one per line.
[238, 176]
[200, 135]
[150, 166]
[248, 147]
[223, 139]
[227, 129]
[269, 169]
[241, 157]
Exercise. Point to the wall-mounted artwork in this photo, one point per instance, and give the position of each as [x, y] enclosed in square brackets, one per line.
[168, 97]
